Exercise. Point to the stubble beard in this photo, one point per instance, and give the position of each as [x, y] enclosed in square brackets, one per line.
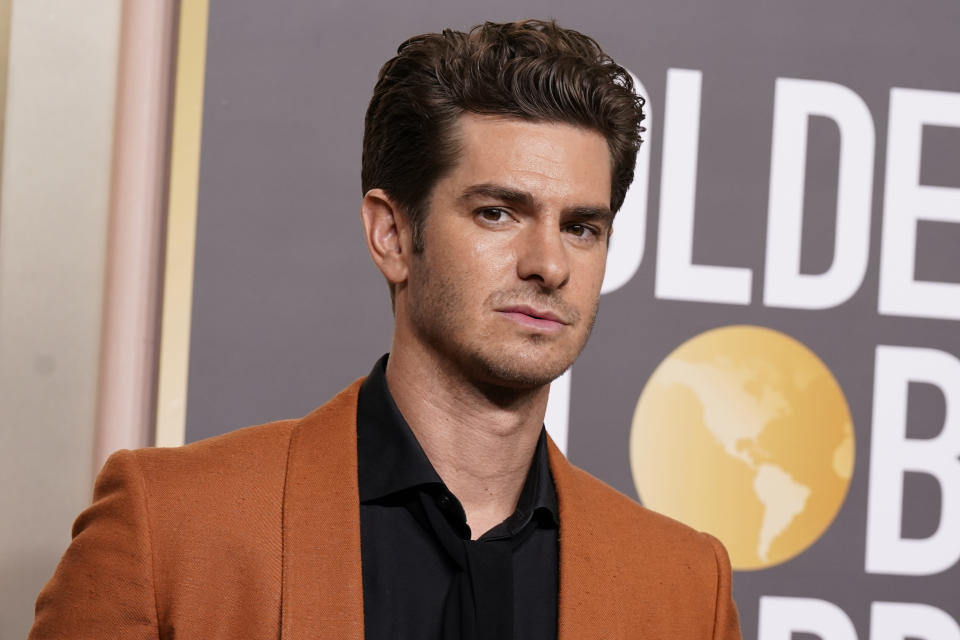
[439, 316]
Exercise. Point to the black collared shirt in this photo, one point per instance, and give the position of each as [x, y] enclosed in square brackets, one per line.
[423, 578]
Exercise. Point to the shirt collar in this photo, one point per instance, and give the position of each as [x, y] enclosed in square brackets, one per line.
[389, 457]
[391, 460]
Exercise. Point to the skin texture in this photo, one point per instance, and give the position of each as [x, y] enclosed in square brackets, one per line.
[500, 301]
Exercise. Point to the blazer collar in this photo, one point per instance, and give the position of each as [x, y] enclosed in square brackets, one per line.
[586, 606]
[322, 583]
[322, 579]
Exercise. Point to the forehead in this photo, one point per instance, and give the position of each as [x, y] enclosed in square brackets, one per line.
[551, 160]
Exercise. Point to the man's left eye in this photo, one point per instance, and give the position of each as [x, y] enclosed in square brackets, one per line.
[581, 230]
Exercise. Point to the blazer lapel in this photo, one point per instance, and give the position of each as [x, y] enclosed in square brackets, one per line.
[322, 579]
[588, 607]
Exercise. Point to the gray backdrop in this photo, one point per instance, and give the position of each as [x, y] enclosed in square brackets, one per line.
[288, 307]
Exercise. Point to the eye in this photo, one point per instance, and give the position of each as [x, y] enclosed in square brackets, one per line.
[493, 214]
[582, 230]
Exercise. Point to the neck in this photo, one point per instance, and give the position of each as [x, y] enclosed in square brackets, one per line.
[480, 439]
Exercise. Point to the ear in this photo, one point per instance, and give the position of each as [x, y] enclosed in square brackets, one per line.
[387, 236]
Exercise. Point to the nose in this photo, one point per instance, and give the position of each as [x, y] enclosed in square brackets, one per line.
[542, 256]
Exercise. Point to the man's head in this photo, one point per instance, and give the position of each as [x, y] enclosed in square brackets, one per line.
[530, 70]
[494, 162]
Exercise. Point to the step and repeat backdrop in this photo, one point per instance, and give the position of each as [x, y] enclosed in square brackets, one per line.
[777, 356]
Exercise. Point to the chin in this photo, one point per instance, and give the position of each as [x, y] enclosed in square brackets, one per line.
[521, 371]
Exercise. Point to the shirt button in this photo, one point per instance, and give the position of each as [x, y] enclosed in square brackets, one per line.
[444, 502]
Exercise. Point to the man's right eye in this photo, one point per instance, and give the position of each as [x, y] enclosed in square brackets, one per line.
[493, 214]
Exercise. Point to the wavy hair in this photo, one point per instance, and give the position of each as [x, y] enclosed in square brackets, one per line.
[533, 70]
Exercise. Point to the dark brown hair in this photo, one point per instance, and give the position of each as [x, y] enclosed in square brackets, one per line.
[534, 70]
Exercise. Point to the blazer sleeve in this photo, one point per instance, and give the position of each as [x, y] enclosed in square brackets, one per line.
[726, 622]
[104, 584]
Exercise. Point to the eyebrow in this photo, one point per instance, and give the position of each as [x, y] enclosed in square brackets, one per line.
[528, 200]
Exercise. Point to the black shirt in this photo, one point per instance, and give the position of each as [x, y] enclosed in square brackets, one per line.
[423, 578]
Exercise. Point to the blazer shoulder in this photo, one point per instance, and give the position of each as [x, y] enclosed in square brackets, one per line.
[631, 525]
[170, 532]
[245, 468]
[249, 450]
[199, 490]
[637, 547]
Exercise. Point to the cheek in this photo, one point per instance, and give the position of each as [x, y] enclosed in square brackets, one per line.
[488, 259]
[589, 273]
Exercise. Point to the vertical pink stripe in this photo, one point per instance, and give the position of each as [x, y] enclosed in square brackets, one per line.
[127, 384]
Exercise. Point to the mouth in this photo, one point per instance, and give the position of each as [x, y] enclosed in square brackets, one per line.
[530, 317]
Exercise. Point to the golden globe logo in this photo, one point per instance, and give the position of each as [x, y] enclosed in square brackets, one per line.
[742, 431]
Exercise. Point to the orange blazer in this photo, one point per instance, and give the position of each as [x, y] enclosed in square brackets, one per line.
[256, 534]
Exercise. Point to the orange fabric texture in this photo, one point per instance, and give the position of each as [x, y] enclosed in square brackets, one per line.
[256, 534]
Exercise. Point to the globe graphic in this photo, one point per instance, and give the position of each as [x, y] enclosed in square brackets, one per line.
[743, 432]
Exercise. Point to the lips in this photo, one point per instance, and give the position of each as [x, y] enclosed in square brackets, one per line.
[534, 313]
[533, 318]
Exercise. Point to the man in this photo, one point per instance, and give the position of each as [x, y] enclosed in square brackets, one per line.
[425, 501]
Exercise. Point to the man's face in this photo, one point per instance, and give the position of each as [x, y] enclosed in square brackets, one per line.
[515, 245]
